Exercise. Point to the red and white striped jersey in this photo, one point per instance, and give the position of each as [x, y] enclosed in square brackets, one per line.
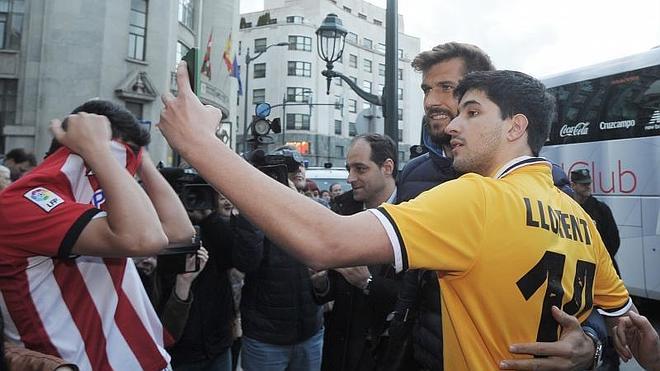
[88, 310]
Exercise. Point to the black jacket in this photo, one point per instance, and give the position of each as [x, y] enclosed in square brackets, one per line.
[208, 331]
[602, 215]
[354, 326]
[419, 298]
[277, 300]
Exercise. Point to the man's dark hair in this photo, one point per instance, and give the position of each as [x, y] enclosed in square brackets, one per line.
[474, 59]
[18, 155]
[382, 148]
[122, 122]
[515, 92]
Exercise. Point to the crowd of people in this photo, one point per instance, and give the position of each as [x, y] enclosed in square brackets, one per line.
[476, 255]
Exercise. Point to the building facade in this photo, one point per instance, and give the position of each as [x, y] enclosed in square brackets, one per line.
[289, 78]
[54, 55]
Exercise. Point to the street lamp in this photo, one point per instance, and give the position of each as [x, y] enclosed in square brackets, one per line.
[331, 39]
[248, 60]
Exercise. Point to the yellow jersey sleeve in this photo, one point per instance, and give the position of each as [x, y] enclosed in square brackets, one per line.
[610, 295]
[441, 229]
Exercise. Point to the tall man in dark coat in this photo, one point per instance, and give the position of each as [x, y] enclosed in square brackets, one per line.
[599, 211]
[363, 295]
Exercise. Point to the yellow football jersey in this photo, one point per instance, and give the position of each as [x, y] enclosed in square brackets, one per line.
[506, 250]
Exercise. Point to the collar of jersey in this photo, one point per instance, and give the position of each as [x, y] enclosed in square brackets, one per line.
[519, 162]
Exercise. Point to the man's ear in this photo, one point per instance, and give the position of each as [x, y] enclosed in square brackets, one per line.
[518, 127]
[388, 166]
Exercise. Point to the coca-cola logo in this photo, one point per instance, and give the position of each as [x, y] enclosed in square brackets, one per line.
[581, 128]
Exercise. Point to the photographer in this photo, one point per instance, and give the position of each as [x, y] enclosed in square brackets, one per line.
[172, 306]
[282, 329]
[206, 335]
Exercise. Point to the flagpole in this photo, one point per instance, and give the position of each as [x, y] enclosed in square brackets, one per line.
[249, 59]
[199, 24]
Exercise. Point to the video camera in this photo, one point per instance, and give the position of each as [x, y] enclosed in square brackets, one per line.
[278, 164]
[195, 194]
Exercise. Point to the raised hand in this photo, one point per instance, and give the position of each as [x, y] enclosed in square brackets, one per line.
[85, 133]
[185, 121]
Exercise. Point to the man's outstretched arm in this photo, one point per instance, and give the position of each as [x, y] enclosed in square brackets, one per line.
[288, 218]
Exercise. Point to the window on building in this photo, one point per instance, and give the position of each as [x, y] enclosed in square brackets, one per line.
[401, 53]
[294, 19]
[347, 9]
[400, 114]
[339, 82]
[352, 129]
[186, 13]
[400, 135]
[362, 16]
[380, 47]
[258, 96]
[380, 88]
[352, 105]
[8, 94]
[381, 69]
[339, 102]
[300, 43]
[137, 34]
[400, 93]
[11, 23]
[366, 105]
[402, 157]
[352, 61]
[339, 151]
[351, 38]
[367, 65]
[297, 121]
[378, 22]
[353, 78]
[367, 43]
[298, 94]
[259, 70]
[181, 50]
[400, 74]
[338, 124]
[366, 86]
[297, 68]
[137, 109]
[260, 45]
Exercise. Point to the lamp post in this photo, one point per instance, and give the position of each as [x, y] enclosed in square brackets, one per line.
[331, 39]
[248, 60]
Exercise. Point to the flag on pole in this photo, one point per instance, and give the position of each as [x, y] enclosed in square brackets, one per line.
[226, 55]
[206, 64]
[236, 72]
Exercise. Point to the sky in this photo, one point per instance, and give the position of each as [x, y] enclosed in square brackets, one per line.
[540, 38]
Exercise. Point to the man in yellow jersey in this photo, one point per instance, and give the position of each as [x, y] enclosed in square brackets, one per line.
[508, 245]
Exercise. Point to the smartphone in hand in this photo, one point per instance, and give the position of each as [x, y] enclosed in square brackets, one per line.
[192, 60]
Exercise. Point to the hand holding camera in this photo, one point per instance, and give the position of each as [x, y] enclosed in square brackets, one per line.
[185, 280]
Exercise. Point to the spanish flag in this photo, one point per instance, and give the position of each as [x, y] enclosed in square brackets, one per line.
[226, 55]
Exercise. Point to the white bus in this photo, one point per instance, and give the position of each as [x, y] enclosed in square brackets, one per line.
[609, 122]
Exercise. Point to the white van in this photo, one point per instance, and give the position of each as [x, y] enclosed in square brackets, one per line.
[325, 177]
